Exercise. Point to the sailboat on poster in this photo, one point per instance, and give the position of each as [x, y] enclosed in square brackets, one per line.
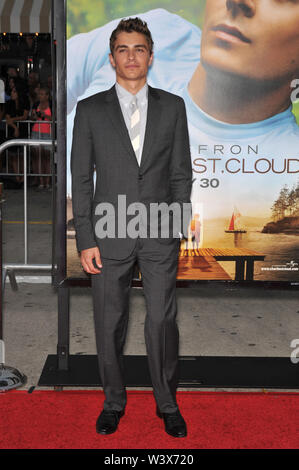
[234, 225]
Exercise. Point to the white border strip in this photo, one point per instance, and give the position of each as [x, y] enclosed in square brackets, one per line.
[35, 14]
[2, 3]
[15, 17]
[32, 279]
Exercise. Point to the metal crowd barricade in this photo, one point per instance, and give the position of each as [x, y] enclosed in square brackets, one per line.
[4, 129]
[9, 268]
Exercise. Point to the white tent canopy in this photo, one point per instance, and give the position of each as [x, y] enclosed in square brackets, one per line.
[26, 16]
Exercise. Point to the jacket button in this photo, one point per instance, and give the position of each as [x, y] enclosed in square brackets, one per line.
[140, 177]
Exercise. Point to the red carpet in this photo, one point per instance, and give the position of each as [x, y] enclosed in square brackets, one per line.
[216, 420]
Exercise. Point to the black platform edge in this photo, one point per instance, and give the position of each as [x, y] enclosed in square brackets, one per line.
[194, 372]
[192, 283]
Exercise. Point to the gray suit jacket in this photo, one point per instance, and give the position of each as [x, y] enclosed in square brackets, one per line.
[101, 141]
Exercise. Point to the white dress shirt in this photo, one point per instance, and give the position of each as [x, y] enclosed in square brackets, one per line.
[125, 98]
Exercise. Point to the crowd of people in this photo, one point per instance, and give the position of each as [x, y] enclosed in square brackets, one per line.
[27, 99]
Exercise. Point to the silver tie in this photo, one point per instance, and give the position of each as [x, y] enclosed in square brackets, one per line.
[135, 128]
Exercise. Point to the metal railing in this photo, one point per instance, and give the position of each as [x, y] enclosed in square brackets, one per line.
[9, 268]
[4, 169]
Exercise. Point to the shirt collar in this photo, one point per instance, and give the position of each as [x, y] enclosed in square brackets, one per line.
[126, 96]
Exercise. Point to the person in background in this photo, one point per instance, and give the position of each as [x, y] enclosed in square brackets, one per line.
[16, 111]
[33, 79]
[19, 84]
[12, 71]
[50, 86]
[13, 78]
[3, 98]
[41, 130]
[34, 85]
[10, 85]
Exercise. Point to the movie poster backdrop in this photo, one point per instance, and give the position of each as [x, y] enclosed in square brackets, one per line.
[239, 77]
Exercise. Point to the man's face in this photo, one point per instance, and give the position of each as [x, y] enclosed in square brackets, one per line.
[131, 57]
[257, 39]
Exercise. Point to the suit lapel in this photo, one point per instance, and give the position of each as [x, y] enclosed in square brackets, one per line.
[116, 116]
[152, 123]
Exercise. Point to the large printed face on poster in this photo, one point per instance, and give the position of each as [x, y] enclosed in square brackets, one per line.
[236, 65]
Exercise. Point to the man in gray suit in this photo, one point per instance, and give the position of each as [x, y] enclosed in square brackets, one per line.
[136, 138]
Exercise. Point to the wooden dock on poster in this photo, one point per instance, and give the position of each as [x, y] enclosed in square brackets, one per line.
[203, 263]
[193, 264]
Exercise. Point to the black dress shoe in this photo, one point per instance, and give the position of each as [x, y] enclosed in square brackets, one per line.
[108, 421]
[175, 425]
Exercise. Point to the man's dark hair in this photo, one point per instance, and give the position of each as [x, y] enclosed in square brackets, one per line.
[131, 25]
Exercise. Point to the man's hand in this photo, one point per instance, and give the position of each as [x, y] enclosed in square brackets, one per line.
[86, 260]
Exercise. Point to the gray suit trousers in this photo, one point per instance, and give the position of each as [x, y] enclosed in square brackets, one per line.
[110, 289]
